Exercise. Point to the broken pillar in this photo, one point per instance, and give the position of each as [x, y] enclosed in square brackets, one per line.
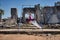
[38, 13]
[14, 14]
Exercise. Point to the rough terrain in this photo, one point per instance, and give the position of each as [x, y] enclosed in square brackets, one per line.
[29, 37]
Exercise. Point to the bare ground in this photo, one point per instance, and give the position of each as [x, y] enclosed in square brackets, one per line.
[28, 37]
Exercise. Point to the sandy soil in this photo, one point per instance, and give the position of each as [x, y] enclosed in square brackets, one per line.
[28, 37]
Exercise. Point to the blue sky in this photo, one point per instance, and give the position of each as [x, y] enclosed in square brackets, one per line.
[6, 5]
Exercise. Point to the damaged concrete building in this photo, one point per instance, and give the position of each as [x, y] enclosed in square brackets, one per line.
[35, 10]
[52, 13]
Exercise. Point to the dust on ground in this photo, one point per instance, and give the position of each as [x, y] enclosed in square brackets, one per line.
[28, 37]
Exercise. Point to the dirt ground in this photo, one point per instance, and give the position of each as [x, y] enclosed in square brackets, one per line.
[28, 37]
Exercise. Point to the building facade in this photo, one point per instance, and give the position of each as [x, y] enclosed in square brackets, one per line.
[52, 13]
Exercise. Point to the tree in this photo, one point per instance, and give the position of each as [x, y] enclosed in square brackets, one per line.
[1, 13]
